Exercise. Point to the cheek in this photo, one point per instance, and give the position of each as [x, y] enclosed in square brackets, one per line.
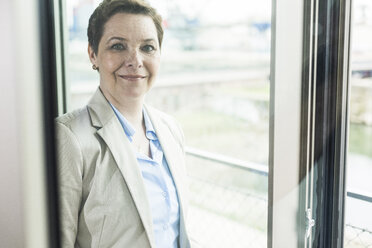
[111, 63]
[155, 64]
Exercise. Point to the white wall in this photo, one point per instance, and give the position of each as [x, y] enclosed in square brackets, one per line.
[22, 181]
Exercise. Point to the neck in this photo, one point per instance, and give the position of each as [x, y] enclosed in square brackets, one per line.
[132, 112]
[131, 109]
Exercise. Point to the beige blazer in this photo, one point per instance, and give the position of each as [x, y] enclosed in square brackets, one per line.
[103, 200]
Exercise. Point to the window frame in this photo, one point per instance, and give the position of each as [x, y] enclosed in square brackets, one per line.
[285, 100]
[331, 121]
[320, 183]
[50, 48]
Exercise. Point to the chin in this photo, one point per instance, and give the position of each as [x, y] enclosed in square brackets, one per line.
[136, 94]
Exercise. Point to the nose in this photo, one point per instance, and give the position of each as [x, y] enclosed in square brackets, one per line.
[134, 60]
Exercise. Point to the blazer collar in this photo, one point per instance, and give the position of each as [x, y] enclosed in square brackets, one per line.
[99, 109]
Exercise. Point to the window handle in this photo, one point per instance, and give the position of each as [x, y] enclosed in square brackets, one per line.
[310, 222]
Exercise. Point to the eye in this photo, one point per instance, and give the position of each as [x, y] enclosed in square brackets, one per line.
[148, 48]
[118, 47]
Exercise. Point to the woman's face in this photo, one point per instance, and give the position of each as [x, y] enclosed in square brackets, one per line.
[128, 56]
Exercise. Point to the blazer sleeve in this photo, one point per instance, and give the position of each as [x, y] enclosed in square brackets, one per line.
[70, 176]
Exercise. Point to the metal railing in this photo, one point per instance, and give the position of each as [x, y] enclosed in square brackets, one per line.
[249, 166]
[356, 237]
[260, 169]
[363, 196]
[221, 216]
[215, 205]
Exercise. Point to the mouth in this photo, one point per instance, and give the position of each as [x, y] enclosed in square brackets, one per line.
[132, 77]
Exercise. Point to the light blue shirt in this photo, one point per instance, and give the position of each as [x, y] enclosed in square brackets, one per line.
[161, 191]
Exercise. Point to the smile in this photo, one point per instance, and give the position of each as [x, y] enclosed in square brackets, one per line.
[132, 77]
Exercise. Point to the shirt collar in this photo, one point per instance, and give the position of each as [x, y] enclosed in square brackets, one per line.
[128, 128]
[150, 131]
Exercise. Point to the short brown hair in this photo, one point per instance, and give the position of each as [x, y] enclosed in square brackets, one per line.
[108, 8]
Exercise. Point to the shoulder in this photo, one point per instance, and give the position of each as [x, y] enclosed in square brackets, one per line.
[169, 121]
[161, 115]
[166, 119]
[73, 119]
[75, 126]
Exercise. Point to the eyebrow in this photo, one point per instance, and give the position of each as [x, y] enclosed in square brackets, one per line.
[147, 40]
[116, 38]
[123, 39]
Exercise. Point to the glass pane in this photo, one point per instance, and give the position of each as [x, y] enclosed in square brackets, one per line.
[215, 75]
[214, 79]
[358, 224]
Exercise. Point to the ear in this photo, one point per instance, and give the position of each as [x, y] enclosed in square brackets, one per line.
[92, 55]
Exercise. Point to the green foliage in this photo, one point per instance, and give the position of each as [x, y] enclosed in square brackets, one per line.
[225, 134]
[360, 139]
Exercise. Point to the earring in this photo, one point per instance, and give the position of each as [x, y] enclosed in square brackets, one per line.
[94, 67]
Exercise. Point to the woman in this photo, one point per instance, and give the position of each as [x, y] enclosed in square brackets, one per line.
[121, 163]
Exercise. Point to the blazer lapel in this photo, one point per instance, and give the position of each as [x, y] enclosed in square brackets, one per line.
[175, 161]
[111, 131]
